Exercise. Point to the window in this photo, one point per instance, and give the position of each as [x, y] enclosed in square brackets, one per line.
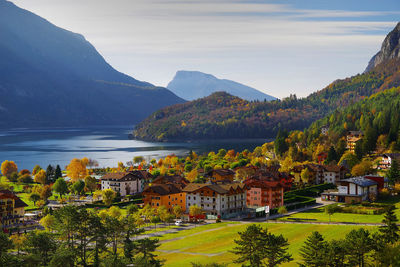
[169, 203]
[188, 197]
[158, 204]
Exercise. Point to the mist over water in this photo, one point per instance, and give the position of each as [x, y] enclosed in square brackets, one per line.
[108, 145]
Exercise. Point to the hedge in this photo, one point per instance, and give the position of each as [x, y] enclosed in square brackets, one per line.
[312, 191]
[99, 204]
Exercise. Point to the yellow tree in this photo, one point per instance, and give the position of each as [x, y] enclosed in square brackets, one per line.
[18, 242]
[192, 175]
[177, 210]
[40, 177]
[108, 196]
[76, 169]
[195, 211]
[8, 168]
[48, 222]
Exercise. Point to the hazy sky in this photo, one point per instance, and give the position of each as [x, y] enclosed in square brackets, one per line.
[278, 47]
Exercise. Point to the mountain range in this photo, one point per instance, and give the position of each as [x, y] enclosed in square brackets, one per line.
[191, 85]
[225, 116]
[53, 77]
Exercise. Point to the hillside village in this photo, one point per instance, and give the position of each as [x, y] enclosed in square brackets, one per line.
[256, 185]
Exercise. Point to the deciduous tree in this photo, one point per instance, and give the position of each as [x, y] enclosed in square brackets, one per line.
[8, 168]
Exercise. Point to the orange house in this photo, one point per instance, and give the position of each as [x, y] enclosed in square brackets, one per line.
[168, 195]
[261, 193]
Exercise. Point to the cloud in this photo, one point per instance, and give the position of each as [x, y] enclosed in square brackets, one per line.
[255, 43]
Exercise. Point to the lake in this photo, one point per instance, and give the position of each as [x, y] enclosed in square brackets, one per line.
[108, 145]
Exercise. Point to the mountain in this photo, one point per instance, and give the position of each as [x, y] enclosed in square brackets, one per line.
[53, 77]
[224, 116]
[390, 49]
[191, 85]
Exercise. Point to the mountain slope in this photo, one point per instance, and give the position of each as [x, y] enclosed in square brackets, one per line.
[390, 49]
[52, 77]
[241, 119]
[191, 85]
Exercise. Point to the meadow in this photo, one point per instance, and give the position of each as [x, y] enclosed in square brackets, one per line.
[212, 243]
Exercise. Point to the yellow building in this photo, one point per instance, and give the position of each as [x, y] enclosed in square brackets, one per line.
[11, 209]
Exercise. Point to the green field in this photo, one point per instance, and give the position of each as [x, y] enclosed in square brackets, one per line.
[211, 243]
[318, 214]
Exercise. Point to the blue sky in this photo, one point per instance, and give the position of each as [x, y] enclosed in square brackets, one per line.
[278, 47]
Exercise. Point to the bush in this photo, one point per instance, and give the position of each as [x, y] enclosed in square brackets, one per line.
[26, 179]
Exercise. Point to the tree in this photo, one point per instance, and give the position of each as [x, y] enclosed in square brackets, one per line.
[57, 172]
[97, 194]
[389, 231]
[40, 177]
[60, 186]
[132, 208]
[332, 155]
[78, 187]
[45, 192]
[312, 251]
[336, 253]
[394, 172]
[280, 143]
[195, 211]
[36, 169]
[42, 245]
[305, 175]
[144, 249]
[163, 213]
[255, 245]
[330, 210]
[8, 168]
[276, 250]
[177, 210]
[108, 196]
[138, 159]
[18, 242]
[34, 197]
[5, 245]
[363, 168]
[50, 173]
[90, 184]
[350, 158]
[282, 210]
[48, 222]
[359, 243]
[76, 169]
[192, 175]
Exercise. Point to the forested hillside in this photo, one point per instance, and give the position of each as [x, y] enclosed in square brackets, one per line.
[224, 116]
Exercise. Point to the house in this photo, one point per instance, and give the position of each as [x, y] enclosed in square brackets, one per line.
[315, 171]
[12, 209]
[180, 181]
[143, 175]
[355, 189]
[221, 175]
[331, 174]
[387, 159]
[217, 200]
[262, 192]
[382, 181]
[324, 130]
[124, 183]
[168, 195]
[351, 138]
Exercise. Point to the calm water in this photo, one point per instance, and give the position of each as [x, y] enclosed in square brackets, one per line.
[108, 145]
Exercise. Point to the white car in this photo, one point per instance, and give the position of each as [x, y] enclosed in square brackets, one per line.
[178, 223]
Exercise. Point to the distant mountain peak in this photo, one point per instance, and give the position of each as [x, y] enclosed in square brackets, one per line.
[191, 85]
[390, 49]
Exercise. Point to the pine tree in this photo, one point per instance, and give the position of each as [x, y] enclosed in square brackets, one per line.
[50, 174]
[394, 173]
[390, 231]
[332, 155]
[313, 251]
[57, 172]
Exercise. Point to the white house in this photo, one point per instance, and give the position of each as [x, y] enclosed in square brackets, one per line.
[387, 159]
[355, 189]
[225, 200]
[125, 183]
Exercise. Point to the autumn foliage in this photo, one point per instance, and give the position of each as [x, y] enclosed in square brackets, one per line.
[76, 169]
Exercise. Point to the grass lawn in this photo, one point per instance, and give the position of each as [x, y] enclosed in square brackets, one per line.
[211, 243]
[319, 215]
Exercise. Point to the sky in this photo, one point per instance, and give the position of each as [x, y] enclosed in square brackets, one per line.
[278, 47]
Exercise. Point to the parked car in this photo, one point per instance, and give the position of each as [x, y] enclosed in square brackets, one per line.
[178, 222]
